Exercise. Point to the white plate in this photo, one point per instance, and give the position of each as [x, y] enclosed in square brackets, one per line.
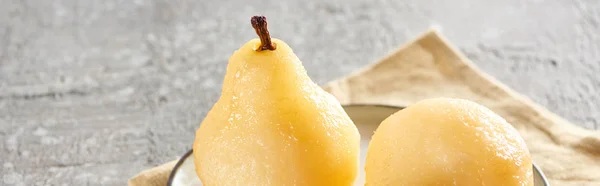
[365, 117]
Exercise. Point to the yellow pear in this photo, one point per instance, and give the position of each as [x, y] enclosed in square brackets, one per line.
[446, 141]
[273, 125]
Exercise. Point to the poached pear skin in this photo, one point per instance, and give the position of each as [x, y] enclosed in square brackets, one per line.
[272, 125]
[444, 141]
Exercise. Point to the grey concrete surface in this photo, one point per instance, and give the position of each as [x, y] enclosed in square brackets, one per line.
[92, 92]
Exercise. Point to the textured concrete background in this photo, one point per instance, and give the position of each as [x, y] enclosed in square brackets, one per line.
[92, 92]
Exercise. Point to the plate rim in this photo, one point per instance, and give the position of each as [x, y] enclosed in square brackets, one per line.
[177, 166]
[190, 151]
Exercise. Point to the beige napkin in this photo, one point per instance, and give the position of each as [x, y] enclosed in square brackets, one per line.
[430, 67]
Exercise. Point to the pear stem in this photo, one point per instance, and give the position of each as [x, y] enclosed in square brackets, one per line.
[259, 23]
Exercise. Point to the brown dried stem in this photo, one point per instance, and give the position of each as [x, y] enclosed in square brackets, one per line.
[259, 23]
